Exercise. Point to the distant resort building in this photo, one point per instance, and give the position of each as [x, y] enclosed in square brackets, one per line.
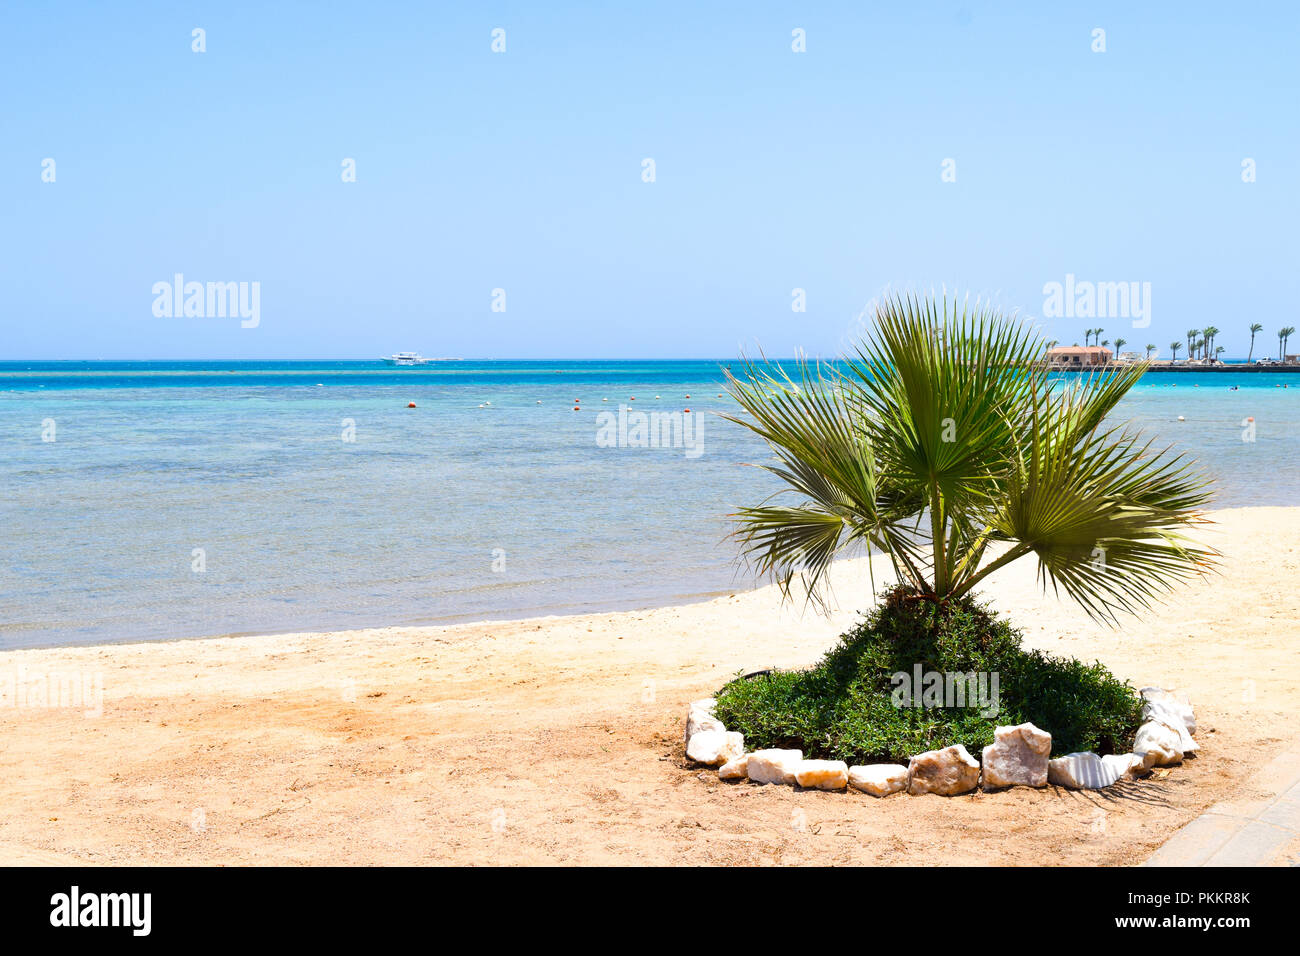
[1077, 356]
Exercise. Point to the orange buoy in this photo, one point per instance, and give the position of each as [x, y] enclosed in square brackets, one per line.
[576, 408]
[688, 411]
[410, 404]
[688, 396]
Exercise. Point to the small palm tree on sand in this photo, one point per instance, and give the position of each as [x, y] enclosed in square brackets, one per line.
[1174, 347]
[943, 441]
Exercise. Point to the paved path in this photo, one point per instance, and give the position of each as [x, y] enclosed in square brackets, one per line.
[1262, 829]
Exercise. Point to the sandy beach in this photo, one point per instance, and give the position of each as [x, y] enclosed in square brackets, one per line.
[558, 740]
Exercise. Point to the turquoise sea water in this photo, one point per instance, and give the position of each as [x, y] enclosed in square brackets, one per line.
[457, 509]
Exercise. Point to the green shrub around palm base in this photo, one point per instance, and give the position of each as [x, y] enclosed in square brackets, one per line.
[845, 708]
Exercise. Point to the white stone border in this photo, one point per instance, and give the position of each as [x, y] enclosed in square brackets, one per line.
[1019, 757]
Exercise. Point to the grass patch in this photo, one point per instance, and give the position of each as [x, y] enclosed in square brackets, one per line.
[845, 707]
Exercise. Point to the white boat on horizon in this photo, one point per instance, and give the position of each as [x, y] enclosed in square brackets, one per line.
[406, 358]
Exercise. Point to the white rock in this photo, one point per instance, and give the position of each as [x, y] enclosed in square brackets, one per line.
[949, 771]
[709, 705]
[879, 779]
[1128, 766]
[1017, 757]
[822, 774]
[773, 766]
[735, 769]
[1158, 713]
[715, 747]
[1155, 737]
[1083, 771]
[1174, 701]
[698, 721]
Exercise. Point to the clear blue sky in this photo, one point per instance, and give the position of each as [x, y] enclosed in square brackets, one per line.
[522, 171]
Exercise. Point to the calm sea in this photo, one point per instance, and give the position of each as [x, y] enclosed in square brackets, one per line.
[148, 500]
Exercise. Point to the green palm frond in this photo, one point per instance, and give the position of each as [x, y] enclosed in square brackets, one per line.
[1101, 511]
[822, 454]
[942, 435]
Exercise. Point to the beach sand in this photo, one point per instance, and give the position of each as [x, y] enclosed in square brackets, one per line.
[558, 740]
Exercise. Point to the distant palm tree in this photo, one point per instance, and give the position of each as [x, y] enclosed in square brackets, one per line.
[1282, 336]
[1195, 350]
[1119, 344]
[1087, 337]
[1174, 347]
[1205, 342]
[1211, 332]
[1191, 339]
[1097, 335]
[1105, 343]
[1218, 350]
[1150, 349]
[1253, 329]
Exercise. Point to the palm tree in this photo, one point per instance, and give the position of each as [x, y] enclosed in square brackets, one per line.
[1282, 336]
[1119, 344]
[1150, 349]
[1195, 350]
[1219, 350]
[1097, 334]
[1210, 333]
[1205, 342]
[1174, 347]
[1253, 329]
[941, 435]
[1191, 337]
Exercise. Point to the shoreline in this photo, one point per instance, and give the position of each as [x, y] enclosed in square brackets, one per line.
[1157, 368]
[557, 740]
[457, 620]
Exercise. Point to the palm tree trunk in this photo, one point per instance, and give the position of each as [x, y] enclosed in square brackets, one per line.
[939, 537]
